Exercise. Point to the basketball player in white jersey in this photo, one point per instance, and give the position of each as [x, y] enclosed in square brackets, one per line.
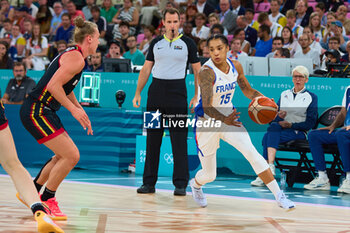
[218, 79]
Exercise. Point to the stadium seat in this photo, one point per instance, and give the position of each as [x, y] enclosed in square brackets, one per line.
[262, 7]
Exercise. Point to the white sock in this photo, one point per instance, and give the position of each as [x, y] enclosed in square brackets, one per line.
[274, 188]
[323, 175]
[348, 175]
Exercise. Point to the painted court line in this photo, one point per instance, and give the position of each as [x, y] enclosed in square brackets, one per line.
[276, 225]
[102, 221]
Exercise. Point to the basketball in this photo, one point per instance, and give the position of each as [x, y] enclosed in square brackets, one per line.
[262, 110]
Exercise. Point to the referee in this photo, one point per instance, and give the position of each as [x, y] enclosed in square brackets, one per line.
[167, 58]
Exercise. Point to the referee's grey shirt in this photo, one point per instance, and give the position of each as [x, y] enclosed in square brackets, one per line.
[171, 58]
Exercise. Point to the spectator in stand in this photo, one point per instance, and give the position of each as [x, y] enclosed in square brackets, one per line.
[206, 52]
[264, 45]
[73, 12]
[6, 61]
[182, 21]
[307, 52]
[332, 5]
[346, 57]
[333, 44]
[236, 51]
[87, 9]
[201, 31]
[314, 44]
[134, 54]
[275, 28]
[56, 18]
[7, 11]
[249, 15]
[331, 18]
[100, 22]
[7, 27]
[227, 18]
[341, 16]
[108, 11]
[277, 43]
[128, 13]
[276, 16]
[36, 50]
[65, 31]
[282, 53]
[201, 44]
[27, 29]
[115, 50]
[96, 63]
[296, 29]
[61, 46]
[44, 18]
[321, 9]
[18, 87]
[23, 16]
[213, 18]
[12, 49]
[204, 7]
[237, 9]
[33, 10]
[121, 32]
[217, 29]
[302, 13]
[337, 31]
[316, 27]
[251, 34]
[149, 33]
[44, 2]
[191, 12]
[54, 50]
[246, 47]
[18, 41]
[187, 30]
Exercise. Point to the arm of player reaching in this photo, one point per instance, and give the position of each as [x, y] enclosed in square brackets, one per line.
[195, 67]
[206, 80]
[243, 83]
[61, 77]
[143, 78]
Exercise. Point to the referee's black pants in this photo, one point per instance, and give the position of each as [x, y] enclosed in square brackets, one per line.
[170, 97]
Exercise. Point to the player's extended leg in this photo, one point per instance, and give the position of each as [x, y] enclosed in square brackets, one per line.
[23, 181]
[67, 155]
[239, 138]
[44, 173]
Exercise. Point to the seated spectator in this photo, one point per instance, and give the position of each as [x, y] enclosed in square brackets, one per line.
[204, 7]
[331, 18]
[128, 13]
[108, 11]
[61, 46]
[307, 52]
[121, 31]
[346, 57]
[213, 18]
[12, 51]
[100, 22]
[27, 29]
[217, 29]
[227, 18]
[282, 53]
[200, 31]
[201, 44]
[288, 41]
[249, 15]
[316, 27]
[331, 135]
[236, 51]
[320, 8]
[6, 61]
[291, 19]
[246, 47]
[87, 9]
[56, 49]
[206, 52]
[314, 44]
[332, 56]
[7, 11]
[73, 12]
[33, 9]
[237, 8]
[191, 12]
[96, 63]
[251, 35]
[336, 30]
[333, 44]
[65, 31]
[56, 18]
[276, 16]
[297, 114]
[44, 18]
[18, 87]
[264, 45]
[341, 16]
[182, 21]
[115, 50]
[187, 31]
[135, 55]
[36, 50]
[18, 41]
[6, 27]
[149, 32]
[275, 28]
[302, 13]
[277, 43]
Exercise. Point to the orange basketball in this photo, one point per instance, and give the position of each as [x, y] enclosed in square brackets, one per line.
[262, 110]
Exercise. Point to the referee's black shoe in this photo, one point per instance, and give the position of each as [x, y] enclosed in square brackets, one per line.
[180, 191]
[145, 188]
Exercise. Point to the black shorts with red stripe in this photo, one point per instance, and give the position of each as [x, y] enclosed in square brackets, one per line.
[3, 120]
[41, 121]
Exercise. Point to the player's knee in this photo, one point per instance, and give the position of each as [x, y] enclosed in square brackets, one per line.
[274, 127]
[74, 157]
[211, 176]
[313, 135]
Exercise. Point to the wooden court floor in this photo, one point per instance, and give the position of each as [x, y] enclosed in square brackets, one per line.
[106, 208]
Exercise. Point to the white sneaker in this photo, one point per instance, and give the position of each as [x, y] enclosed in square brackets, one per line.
[273, 169]
[198, 195]
[284, 202]
[318, 184]
[257, 182]
[345, 187]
